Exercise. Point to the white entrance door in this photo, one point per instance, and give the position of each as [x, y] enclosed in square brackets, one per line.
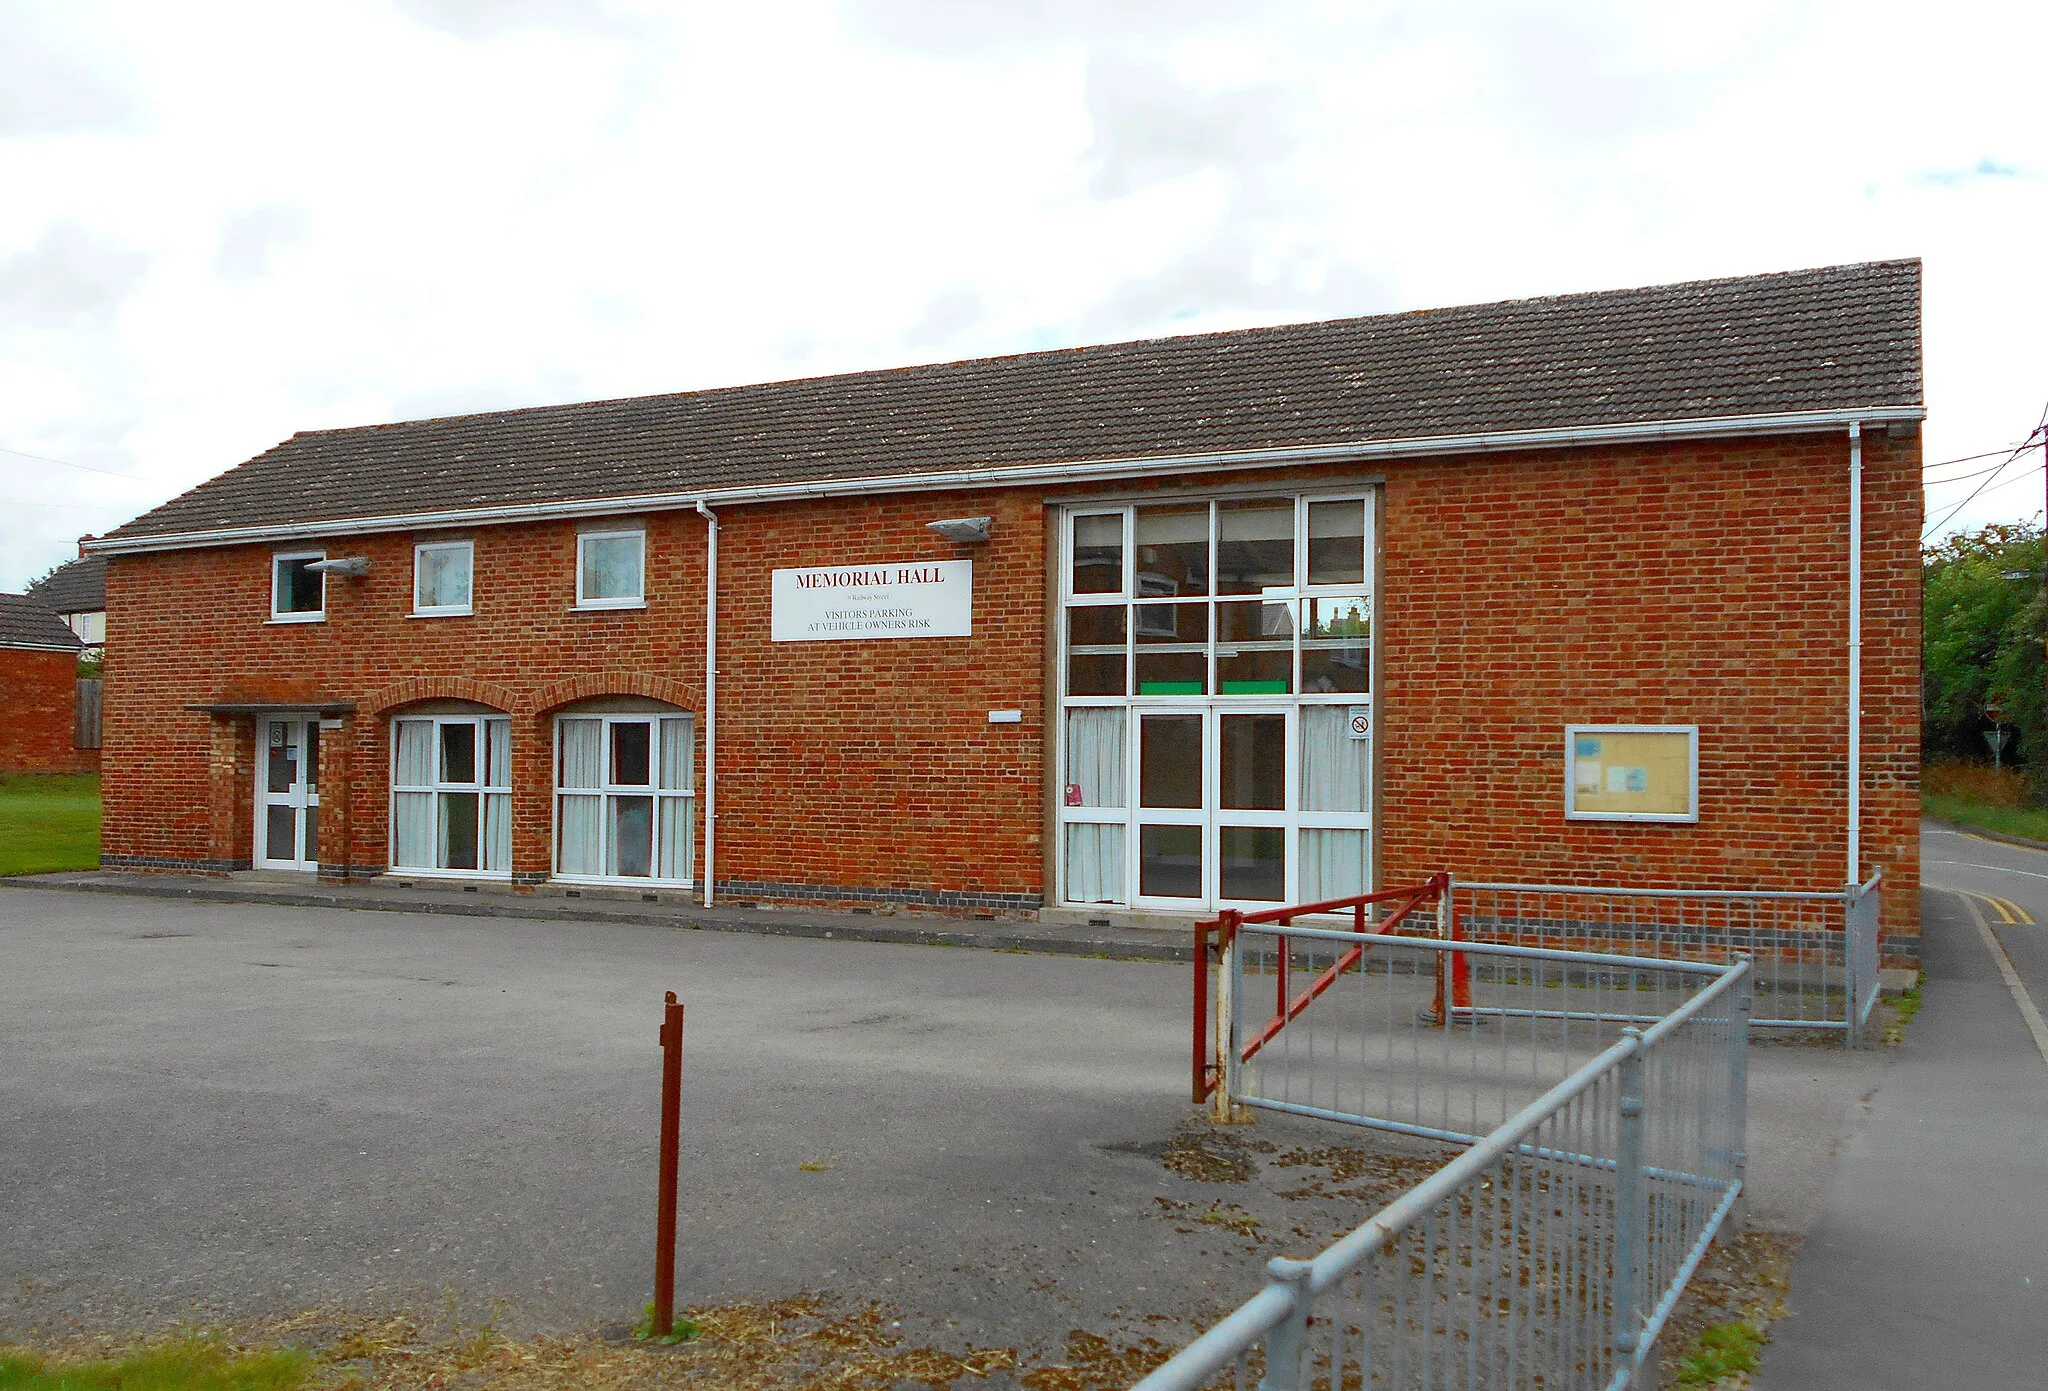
[1215, 819]
[287, 792]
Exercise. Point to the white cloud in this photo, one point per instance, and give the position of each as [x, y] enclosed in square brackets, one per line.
[229, 222]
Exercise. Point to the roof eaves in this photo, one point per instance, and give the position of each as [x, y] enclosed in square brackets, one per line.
[1046, 474]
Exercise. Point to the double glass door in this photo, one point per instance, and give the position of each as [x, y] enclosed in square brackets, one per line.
[1212, 804]
[287, 792]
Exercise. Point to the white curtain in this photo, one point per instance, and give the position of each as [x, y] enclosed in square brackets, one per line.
[1336, 769]
[582, 753]
[611, 567]
[1332, 865]
[678, 837]
[412, 827]
[497, 753]
[415, 753]
[498, 831]
[1095, 755]
[579, 848]
[677, 741]
[1095, 863]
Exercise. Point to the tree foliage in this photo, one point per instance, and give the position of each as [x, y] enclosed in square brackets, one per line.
[1983, 643]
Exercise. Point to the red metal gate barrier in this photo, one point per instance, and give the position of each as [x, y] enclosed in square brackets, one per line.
[1208, 1069]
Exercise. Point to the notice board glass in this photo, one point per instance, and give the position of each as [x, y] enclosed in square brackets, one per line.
[1631, 772]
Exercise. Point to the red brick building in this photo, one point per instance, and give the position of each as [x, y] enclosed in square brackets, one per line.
[39, 691]
[1553, 590]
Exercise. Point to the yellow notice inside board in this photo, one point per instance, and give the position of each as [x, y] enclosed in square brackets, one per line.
[1632, 772]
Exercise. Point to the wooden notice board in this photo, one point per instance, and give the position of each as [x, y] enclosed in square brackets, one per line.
[1632, 772]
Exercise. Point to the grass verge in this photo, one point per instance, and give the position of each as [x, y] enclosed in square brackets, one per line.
[1717, 1333]
[49, 822]
[185, 1365]
[809, 1343]
[2026, 822]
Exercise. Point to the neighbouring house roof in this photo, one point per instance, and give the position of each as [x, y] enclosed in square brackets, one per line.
[80, 586]
[27, 622]
[1801, 343]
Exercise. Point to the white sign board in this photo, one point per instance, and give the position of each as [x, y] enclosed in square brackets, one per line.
[874, 599]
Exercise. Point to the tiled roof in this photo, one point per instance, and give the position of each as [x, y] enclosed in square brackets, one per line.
[1818, 340]
[25, 622]
[80, 586]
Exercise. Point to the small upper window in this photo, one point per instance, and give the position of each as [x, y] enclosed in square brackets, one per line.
[298, 592]
[440, 577]
[611, 569]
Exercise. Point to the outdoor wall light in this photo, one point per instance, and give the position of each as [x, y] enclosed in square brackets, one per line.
[354, 565]
[964, 529]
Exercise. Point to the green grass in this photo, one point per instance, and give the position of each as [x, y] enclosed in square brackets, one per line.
[1723, 1350]
[2012, 821]
[182, 1366]
[49, 822]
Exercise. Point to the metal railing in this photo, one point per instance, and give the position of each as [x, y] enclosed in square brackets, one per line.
[1553, 1250]
[1815, 953]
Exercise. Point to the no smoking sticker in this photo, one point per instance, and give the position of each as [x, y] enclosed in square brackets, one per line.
[1361, 722]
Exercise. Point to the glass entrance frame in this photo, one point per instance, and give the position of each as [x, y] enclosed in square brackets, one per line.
[1237, 632]
[626, 798]
[287, 792]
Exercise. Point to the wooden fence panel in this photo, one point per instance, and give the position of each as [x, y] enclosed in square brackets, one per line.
[88, 732]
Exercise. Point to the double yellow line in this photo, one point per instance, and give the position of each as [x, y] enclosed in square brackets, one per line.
[2010, 914]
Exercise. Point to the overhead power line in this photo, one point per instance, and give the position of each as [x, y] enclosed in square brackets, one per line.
[66, 463]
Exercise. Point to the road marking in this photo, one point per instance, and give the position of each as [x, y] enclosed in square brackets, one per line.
[1981, 840]
[2019, 914]
[2035, 1024]
[2001, 869]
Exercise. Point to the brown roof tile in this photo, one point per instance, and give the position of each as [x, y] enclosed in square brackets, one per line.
[1831, 339]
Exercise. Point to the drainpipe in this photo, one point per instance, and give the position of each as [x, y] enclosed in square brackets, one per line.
[1855, 650]
[711, 696]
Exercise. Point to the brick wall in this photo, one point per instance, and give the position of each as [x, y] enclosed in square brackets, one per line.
[1674, 584]
[38, 713]
[1700, 584]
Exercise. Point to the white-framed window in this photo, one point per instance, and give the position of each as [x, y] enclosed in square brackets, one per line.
[441, 578]
[626, 797]
[1216, 671]
[611, 569]
[1632, 772]
[298, 592]
[451, 794]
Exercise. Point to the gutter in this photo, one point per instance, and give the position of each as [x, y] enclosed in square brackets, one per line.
[1072, 471]
[710, 697]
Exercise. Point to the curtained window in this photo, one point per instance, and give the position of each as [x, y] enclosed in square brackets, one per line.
[625, 797]
[451, 794]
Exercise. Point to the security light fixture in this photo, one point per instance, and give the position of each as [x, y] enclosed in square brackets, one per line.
[963, 529]
[355, 566]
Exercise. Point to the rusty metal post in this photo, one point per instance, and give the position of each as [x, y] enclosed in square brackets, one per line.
[671, 1159]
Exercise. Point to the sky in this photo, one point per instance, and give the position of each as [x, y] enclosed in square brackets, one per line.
[223, 223]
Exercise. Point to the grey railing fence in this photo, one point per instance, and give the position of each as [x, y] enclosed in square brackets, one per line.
[86, 735]
[1815, 954]
[1602, 1097]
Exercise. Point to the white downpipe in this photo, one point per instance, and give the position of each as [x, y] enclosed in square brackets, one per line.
[1855, 875]
[710, 697]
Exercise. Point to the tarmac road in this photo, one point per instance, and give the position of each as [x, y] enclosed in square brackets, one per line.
[1929, 1265]
[219, 1111]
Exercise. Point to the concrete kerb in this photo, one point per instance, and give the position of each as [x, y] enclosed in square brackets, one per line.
[1961, 828]
[1132, 944]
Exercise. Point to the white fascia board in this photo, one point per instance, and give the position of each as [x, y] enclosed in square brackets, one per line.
[1026, 475]
[43, 647]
